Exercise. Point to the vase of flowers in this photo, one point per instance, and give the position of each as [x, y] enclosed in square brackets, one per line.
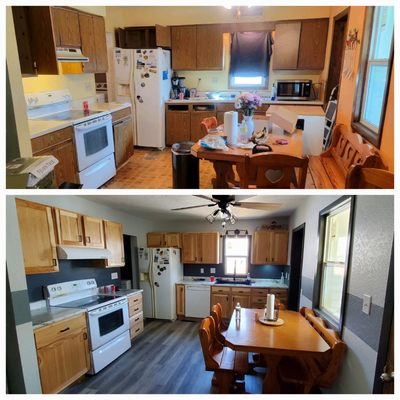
[248, 102]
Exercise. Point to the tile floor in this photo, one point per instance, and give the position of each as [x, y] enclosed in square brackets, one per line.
[152, 169]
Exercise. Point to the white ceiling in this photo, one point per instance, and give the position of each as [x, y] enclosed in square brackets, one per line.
[159, 206]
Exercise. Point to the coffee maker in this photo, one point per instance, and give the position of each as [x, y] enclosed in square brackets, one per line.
[178, 87]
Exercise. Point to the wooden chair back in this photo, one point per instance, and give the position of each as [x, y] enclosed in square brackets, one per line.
[329, 368]
[275, 171]
[208, 123]
[369, 178]
[211, 347]
[348, 149]
[216, 313]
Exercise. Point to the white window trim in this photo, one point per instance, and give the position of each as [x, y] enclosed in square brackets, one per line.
[247, 256]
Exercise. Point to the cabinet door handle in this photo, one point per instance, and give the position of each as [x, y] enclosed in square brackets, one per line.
[273, 259]
[79, 238]
[88, 239]
[54, 262]
[64, 330]
[137, 330]
[84, 336]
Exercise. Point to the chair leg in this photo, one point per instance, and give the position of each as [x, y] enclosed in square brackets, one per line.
[307, 388]
[214, 380]
[224, 381]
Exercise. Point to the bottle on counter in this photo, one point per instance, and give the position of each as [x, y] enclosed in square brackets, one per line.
[282, 278]
[248, 278]
[237, 311]
[273, 95]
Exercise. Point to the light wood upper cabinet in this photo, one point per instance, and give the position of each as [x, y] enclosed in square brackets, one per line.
[66, 27]
[189, 248]
[63, 353]
[93, 232]
[209, 49]
[184, 43]
[38, 237]
[172, 240]
[180, 300]
[100, 44]
[286, 45]
[155, 239]
[164, 239]
[114, 241]
[88, 41]
[208, 247]
[270, 247]
[69, 227]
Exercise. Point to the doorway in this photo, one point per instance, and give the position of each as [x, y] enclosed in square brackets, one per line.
[131, 270]
[337, 52]
[296, 267]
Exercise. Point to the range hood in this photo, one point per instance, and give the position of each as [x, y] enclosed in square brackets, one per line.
[67, 54]
[82, 253]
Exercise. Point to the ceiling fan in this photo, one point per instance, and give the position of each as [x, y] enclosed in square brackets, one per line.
[225, 203]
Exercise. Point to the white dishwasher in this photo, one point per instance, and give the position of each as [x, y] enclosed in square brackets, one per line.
[197, 301]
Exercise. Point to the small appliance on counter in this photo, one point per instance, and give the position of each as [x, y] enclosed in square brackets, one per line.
[178, 88]
[294, 90]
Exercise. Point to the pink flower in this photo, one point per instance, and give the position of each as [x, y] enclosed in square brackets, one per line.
[248, 102]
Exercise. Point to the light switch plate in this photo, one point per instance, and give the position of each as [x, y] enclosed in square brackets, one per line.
[114, 275]
[366, 306]
[202, 270]
[212, 270]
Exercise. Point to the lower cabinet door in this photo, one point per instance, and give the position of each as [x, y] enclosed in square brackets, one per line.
[64, 361]
[123, 141]
[225, 301]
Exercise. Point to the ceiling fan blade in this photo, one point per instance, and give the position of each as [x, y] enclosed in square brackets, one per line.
[257, 206]
[188, 208]
[206, 198]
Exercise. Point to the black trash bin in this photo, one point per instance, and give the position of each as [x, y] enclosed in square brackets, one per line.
[185, 166]
[70, 185]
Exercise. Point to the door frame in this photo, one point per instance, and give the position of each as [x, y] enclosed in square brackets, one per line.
[337, 17]
[298, 228]
[387, 320]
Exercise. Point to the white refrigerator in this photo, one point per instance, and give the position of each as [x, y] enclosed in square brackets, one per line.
[143, 77]
[159, 270]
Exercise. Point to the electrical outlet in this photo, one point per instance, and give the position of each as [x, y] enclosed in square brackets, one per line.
[114, 275]
[366, 306]
[212, 270]
[202, 270]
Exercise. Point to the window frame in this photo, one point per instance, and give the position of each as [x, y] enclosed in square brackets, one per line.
[337, 325]
[368, 132]
[264, 85]
[247, 257]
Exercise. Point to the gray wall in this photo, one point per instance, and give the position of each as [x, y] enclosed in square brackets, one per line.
[369, 266]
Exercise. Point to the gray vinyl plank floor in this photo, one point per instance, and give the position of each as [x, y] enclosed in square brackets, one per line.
[165, 359]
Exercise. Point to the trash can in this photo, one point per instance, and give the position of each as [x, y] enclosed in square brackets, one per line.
[70, 185]
[185, 167]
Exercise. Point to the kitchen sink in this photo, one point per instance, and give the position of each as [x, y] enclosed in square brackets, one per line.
[229, 282]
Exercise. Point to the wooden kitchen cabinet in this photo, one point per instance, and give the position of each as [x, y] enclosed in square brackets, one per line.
[86, 29]
[93, 232]
[144, 37]
[62, 352]
[189, 248]
[114, 241]
[69, 228]
[184, 47]
[300, 45]
[135, 305]
[180, 300]
[201, 248]
[259, 296]
[269, 247]
[242, 296]
[209, 47]
[100, 43]
[177, 127]
[222, 295]
[38, 237]
[66, 27]
[163, 239]
[123, 141]
[155, 239]
[59, 144]
[172, 240]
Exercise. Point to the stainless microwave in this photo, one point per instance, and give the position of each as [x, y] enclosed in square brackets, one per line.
[293, 89]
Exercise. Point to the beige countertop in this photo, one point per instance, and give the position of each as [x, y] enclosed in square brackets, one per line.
[270, 102]
[49, 315]
[303, 110]
[128, 292]
[255, 283]
[39, 127]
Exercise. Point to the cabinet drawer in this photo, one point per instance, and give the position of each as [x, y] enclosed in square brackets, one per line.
[240, 290]
[136, 329]
[220, 289]
[258, 305]
[135, 299]
[59, 330]
[135, 308]
[120, 114]
[136, 319]
[225, 107]
[259, 292]
[51, 139]
[278, 292]
[259, 300]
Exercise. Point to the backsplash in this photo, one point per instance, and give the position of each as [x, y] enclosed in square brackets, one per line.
[70, 270]
[256, 271]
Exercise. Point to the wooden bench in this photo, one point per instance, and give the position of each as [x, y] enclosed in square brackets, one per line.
[308, 372]
[330, 169]
[369, 178]
[226, 363]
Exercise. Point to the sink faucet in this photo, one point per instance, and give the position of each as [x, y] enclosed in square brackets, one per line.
[234, 271]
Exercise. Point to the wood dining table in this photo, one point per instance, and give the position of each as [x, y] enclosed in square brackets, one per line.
[223, 160]
[295, 338]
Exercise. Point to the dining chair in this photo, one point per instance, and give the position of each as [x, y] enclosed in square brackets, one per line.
[369, 178]
[275, 171]
[226, 363]
[216, 313]
[309, 373]
[208, 123]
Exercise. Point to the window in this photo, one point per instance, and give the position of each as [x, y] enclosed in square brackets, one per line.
[335, 235]
[374, 73]
[237, 255]
[250, 58]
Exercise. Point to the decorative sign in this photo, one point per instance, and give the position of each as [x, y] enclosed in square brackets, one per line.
[352, 44]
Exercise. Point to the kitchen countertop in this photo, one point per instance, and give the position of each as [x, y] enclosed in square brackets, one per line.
[49, 315]
[303, 110]
[255, 283]
[272, 102]
[39, 127]
[127, 292]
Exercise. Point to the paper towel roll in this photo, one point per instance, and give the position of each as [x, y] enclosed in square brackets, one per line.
[231, 126]
[270, 310]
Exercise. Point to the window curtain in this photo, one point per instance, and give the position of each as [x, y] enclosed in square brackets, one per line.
[251, 53]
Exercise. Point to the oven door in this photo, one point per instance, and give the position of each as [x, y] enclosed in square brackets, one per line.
[93, 141]
[105, 325]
